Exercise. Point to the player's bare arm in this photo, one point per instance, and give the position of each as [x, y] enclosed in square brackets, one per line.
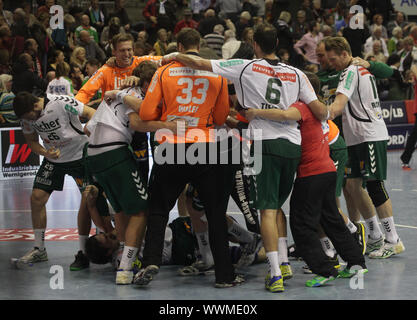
[338, 105]
[273, 114]
[188, 60]
[135, 123]
[88, 112]
[32, 140]
[319, 110]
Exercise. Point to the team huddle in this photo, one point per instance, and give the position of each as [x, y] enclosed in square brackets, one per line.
[182, 100]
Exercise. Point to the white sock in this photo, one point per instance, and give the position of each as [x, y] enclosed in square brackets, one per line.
[204, 247]
[273, 261]
[39, 238]
[328, 248]
[372, 226]
[351, 226]
[282, 250]
[241, 234]
[129, 255]
[82, 240]
[389, 229]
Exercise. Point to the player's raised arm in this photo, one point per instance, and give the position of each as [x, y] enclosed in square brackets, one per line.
[188, 60]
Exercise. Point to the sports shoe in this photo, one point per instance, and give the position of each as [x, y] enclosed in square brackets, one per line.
[359, 236]
[318, 281]
[143, 277]
[306, 269]
[34, 255]
[374, 244]
[124, 277]
[239, 279]
[274, 284]
[81, 262]
[292, 253]
[406, 167]
[249, 251]
[387, 250]
[349, 273]
[136, 265]
[286, 270]
[197, 268]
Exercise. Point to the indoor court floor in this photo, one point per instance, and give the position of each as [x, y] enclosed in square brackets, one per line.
[394, 278]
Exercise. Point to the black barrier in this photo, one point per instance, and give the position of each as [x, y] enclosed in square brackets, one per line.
[394, 112]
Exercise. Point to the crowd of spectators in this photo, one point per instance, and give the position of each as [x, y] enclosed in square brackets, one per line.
[30, 51]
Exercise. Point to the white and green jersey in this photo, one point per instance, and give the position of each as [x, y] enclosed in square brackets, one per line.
[59, 126]
[267, 84]
[362, 116]
[60, 86]
[109, 127]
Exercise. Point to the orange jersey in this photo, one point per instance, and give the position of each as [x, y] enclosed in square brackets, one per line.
[333, 131]
[199, 97]
[109, 78]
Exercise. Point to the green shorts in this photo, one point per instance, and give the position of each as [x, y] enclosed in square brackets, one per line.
[339, 155]
[123, 184]
[51, 175]
[368, 161]
[272, 186]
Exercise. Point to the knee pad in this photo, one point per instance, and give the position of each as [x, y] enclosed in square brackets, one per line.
[377, 192]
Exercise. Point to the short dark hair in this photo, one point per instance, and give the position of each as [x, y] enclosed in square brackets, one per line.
[266, 37]
[245, 51]
[145, 71]
[393, 59]
[95, 252]
[314, 80]
[24, 102]
[93, 62]
[121, 37]
[189, 38]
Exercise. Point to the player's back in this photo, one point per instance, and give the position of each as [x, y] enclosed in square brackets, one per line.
[199, 97]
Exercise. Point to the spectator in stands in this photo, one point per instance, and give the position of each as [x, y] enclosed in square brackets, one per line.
[161, 44]
[231, 44]
[306, 46]
[121, 13]
[409, 55]
[6, 40]
[98, 15]
[187, 22]
[159, 14]
[24, 79]
[398, 22]
[78, 57]
[5, 62]
[383, 7]
[377, 52]
[343, 23]
[398, 87]
[230, 7]
[85, 25]
[378, 22]
[357, 36]
[76, 76]
[19, 26]
[31, 47]
[7, 114]
[41, 32]
[92, 49]
[199, 7]
[243, 22]
[269, 17]
[317, 11]
[413, 34]
[328, 20]
[57, 56]
[215, 40]
[397, 34]
[376, 35]
[61, 85]
[45, 8]
[8, 16]
[64, 38]
[299, 27]
[206, 52]
[91, 68]
[109, 32]
[247, 35]
[28, 11]
[141, 48]
[284, 56]
[208, 22]
[285, 36]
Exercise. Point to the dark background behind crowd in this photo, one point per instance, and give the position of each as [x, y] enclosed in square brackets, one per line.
[32, 54]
